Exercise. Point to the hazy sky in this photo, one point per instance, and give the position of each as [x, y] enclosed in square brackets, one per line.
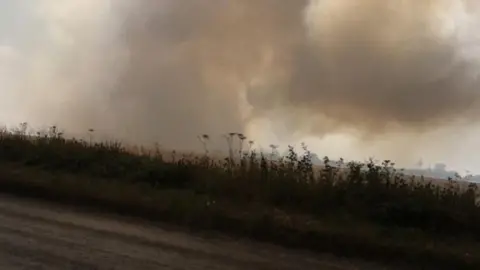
[352, 78]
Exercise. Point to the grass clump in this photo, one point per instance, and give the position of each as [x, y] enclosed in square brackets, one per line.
[357, 208]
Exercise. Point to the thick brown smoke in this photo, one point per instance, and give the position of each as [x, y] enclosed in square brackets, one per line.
[188, 62]
[375, 65]
[210, 66]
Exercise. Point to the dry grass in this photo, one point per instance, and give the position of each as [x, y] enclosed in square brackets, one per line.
[366, 209]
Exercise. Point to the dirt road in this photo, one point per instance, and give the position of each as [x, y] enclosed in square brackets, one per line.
[37, 235]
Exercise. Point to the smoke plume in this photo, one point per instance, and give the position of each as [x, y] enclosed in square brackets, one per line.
[167, 71]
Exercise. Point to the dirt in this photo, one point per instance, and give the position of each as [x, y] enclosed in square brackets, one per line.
[39, 235]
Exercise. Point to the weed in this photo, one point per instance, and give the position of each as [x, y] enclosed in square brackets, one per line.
[363, 191]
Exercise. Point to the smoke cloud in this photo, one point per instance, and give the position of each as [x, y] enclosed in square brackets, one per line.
[166, 71]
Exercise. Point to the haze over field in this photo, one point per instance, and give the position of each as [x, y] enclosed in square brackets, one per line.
[393, 79]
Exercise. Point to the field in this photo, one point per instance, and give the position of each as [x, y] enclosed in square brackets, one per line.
[368, 210]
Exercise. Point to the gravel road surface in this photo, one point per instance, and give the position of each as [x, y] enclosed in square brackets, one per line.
[38, 235]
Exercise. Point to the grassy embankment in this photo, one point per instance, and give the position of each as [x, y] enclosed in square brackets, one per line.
[371, 211]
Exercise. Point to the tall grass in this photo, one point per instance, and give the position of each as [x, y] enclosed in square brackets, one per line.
[366, 191]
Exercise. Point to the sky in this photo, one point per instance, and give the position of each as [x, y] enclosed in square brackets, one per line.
[355, 79]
